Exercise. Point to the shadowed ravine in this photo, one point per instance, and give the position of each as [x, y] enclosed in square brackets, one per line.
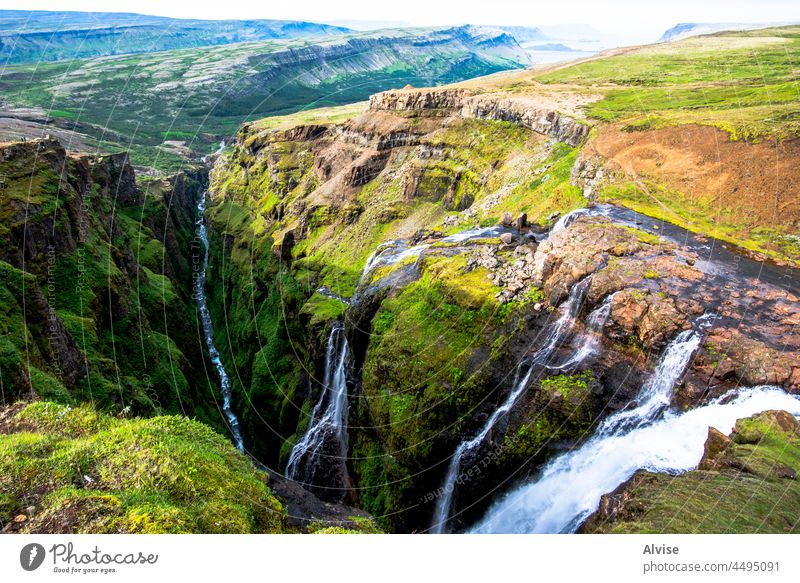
[208, 329]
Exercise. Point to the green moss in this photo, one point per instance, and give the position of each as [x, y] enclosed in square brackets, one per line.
[98, 474]
[321, 309]
[547, 193]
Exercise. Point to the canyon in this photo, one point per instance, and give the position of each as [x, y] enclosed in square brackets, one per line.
[427, 314]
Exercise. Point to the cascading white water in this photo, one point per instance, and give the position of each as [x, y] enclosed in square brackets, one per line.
[475, 233]
[567, 219]
[329, 416]
[392, 252]
[570, 488]
[559, 330]
[657, 392]
[593, 336]
[208, 329]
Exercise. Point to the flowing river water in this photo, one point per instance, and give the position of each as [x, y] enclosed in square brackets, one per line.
[208, 329]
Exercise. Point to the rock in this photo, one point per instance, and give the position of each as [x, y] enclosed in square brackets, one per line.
[652, 319]
[506, 238]
[715, 451]
[740, 359]
[507, 219]
[616, 506]
[752, 430]
[575, 252]
[521, 222]
[463, 103]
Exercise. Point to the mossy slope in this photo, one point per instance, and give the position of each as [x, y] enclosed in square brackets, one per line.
[74, 470]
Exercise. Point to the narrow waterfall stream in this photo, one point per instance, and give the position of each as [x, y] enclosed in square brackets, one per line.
[592, 337]
[324, 444]
[559, 331]
[208, 329]
[569, 488]
[327, 431]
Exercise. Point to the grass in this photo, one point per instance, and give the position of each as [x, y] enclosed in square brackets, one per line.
[744, 84]
[692, 215]
[86, 472]
[317, 115]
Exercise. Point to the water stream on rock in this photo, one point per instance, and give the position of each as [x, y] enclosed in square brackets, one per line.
[592, 337]
[570, 487]
[327, 431]
[644, 437]
[208, 329]
[557, 333]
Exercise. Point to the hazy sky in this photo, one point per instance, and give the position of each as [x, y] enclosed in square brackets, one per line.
[635, 19]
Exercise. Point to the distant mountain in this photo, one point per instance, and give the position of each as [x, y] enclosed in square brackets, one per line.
[364, 25]
[34, 36]
[686, 29]
[201, 95]
[524, 34]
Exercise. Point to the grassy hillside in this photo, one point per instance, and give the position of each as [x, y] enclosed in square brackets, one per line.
[700, 132]
[74, 470]
[742, 82]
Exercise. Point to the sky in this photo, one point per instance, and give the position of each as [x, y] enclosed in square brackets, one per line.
[640, 20]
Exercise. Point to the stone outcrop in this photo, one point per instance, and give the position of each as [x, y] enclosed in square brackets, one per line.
[731, 356]
[651, 319]
[463, 103]
[569, 255]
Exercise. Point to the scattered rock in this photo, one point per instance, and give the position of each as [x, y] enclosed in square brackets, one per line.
[715, 451]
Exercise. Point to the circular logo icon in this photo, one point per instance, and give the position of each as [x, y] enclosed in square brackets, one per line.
[31, 556]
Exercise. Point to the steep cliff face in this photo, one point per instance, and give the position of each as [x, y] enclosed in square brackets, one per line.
[523, 111]
[439, 323]
[97, 279]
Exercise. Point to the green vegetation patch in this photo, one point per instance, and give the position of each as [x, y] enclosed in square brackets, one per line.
[86, 472]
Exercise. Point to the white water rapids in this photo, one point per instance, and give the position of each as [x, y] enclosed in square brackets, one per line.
[569, 488]
[559, 331]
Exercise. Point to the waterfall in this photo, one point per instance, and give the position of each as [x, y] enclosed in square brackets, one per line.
[567, 219]
[657, 392]
[392, 252]
[570, 487]
[329, 416]
[559, 330]
[593, 336]
[208, 329]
